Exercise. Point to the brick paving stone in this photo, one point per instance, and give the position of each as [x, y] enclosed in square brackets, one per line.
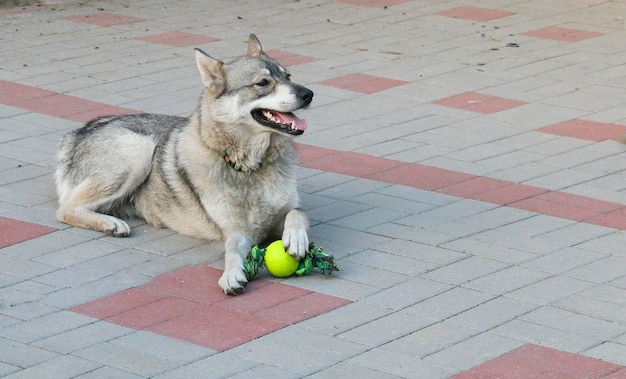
[474, 219]
[385, 329]
[474, 350]
[400, 365]
[64, 366]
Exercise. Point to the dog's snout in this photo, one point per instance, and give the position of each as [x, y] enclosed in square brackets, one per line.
[305, 94]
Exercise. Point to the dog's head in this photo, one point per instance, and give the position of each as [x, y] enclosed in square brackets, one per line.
[253, 90]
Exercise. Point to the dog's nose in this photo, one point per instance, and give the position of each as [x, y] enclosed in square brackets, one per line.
[305, 94]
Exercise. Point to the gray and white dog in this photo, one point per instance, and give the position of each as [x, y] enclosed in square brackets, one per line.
[225, 173]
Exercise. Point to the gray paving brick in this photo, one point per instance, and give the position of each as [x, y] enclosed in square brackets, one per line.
[339, 210]
[343, 370]
[80, 253]
[370, 275]
[65, 366]
[112, 263]
[344, 318]
[23, 355]
[550, 289]
[28, 311]
[610, 352]
[6, 369]
[406, 294]
[108, 372]
[82, 337]
[592, 308]
[574, 323]
[473, 351]
[334, 286]
[536, 225]
[44, 244]
[69, 297]
[45, 326]
[320, 351]
[401, 365]
[396, 231]
[163, 347]
[545, 336]
[506, 280]
[449, 303]
[385, 329]
[429, 340]
[420, 251]
[465, 270]
[601, 271]
[23, 268]
[267, 372]
[492, 313]
[563, 260]
[391, 262]
[128, 359]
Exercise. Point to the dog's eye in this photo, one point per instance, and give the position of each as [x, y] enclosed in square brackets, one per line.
[262, 82]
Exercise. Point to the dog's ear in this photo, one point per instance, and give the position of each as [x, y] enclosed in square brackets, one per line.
[211, 71]
[254, 46]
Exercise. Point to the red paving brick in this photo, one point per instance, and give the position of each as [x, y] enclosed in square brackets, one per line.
[188, 304]
[14, 231]
[562, 34]
[420, 176]
[289, 59]
[478, 102]
[475, 13]
[55, 104]
[587, 130]
[104, 19]
[363, 83]
[533, 361]
[178, 39]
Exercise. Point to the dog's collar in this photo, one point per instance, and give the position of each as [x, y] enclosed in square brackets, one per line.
[231, 163]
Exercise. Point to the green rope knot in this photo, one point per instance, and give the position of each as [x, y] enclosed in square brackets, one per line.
[315, 259]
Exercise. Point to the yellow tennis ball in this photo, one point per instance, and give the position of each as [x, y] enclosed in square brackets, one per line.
[278, 262]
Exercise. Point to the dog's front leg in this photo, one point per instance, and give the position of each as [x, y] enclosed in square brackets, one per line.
[296, 233]
[233, 280]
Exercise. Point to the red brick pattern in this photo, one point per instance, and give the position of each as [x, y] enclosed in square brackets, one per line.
[289, 59]
[55, 104]
[104, 19]
[187, 304]
[14, 231]
[587, 130]
[178, 39]
[562, 34]
[475, 13]
[478, 102]
[521, 196]
[533, 361]
[363, 83]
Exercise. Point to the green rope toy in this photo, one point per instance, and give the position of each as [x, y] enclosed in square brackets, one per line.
[314, 259]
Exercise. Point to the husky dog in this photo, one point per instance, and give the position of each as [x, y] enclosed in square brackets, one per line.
[226, 173]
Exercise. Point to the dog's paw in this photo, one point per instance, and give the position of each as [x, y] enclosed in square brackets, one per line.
[296, 241]
[115, 227]
[233, 282]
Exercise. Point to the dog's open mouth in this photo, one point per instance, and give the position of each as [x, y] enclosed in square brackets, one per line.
[285, 122]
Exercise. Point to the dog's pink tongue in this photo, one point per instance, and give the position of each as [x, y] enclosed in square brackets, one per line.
[289, 118]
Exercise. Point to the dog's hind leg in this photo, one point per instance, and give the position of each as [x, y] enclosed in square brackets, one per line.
[102, 183]
[80, 205]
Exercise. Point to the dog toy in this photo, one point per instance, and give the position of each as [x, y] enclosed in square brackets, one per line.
[280, 264]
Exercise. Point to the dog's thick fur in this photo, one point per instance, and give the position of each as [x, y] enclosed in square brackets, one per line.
[225, 173]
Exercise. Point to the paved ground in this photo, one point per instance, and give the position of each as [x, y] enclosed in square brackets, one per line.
[464, 162]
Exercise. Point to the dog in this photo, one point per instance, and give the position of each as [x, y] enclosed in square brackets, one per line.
[227, 173]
